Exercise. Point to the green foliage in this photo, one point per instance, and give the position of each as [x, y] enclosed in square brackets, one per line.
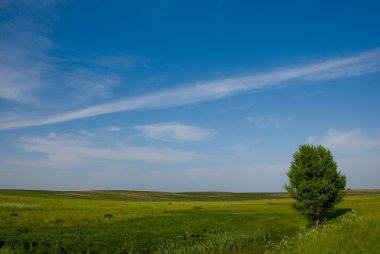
[314, 182]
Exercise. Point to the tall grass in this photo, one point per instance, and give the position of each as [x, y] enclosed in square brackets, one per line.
[350, 234]
[214, 242]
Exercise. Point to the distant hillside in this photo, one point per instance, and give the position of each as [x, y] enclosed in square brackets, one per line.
[161, 196]
[146, 195]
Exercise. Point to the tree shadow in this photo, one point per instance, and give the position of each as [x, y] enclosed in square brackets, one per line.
[337, 213]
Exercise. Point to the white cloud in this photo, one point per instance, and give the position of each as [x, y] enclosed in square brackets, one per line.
[19, 84]
[357, 155]
[27, 67]
[245, 149]
[67, 150]
[121, 62]
[113, 128]
[199, 173]
[91, 84]
[22, 54]
[351, 142]
[86, 133]
[270, 120]
[174, 132]
[240, 177]
[219, 88]
[237, 108]
[362, 172]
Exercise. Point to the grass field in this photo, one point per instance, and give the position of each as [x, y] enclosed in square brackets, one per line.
[153, 222]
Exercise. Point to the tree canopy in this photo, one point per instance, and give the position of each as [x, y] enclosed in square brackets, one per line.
[314, 182]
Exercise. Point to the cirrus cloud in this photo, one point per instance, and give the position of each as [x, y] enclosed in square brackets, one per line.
[352, 66]
[174, 132]
[65, 149]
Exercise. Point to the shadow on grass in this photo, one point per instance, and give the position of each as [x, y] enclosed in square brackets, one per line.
[337, 213]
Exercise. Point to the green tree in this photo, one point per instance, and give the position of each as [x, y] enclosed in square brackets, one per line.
[314, 182]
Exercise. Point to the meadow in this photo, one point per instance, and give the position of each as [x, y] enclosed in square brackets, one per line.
[154, 222]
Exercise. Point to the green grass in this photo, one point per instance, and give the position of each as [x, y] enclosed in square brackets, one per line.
[154, 222]
[354, 228]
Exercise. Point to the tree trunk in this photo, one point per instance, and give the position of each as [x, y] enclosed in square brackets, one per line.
[316, 222]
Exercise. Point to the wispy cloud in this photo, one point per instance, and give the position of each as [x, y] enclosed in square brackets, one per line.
[113, 128]
[347, 143]
[357, 154]
[23, 46]
[64, 149]
[236, 108]
[28, 67]
[270, 120]
[87, 85]
[364, 63]
[174, 132]
[243, 177]
[121, 62]
[20, 83]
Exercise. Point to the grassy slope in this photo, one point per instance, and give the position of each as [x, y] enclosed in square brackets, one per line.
[354, 228]
[102, 221]
[145, 195]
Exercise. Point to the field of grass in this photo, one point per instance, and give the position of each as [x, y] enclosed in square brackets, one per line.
[153, 222]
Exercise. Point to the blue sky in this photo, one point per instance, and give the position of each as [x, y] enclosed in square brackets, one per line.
[185, 95]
